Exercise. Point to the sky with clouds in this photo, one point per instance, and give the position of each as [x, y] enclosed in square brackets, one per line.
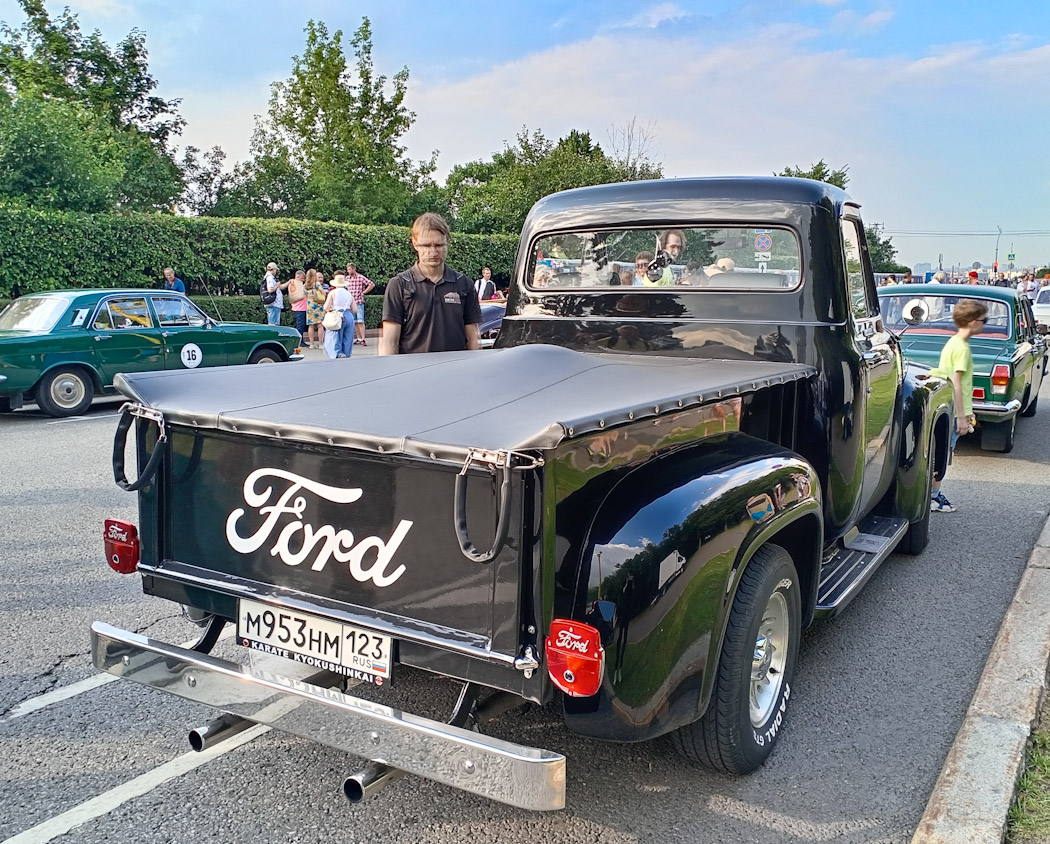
[940, 109]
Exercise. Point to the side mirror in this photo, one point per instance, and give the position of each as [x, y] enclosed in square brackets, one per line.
[915, 312]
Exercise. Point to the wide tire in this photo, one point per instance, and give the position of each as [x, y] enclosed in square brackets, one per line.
[1029, 411]
[66, 391]
[918, 535]
[756, 668]
[265, 356]
[999, 436]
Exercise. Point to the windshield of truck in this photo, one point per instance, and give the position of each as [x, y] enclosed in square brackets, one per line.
[35, 314]
[940, 320]
[716, 257]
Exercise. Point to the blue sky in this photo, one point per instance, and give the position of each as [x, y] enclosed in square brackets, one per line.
[940, 109]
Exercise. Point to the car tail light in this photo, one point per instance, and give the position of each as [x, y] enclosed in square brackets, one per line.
[575, 657]
[1000, 379]
[978, 392]
[122, 546]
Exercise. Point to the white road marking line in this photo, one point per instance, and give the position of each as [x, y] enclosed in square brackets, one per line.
[106, 802]
[34, 704]
[27, 707]
[82, 419]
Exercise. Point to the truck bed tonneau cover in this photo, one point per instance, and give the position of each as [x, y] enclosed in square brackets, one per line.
[527, 397]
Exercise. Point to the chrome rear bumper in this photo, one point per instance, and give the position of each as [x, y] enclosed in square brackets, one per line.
[527, 777]
[992, 409]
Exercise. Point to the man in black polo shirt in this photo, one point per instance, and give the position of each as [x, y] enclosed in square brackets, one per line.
[429, 307]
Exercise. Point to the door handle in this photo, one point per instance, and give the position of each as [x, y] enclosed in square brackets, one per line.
[872, 355]
[102, 337]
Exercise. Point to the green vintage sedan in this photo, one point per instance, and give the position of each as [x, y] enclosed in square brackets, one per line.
[1009, 355]
[63, 348]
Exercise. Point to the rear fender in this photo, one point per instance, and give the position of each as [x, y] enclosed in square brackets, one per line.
[926, 419]
[664, 556]
[72, 363]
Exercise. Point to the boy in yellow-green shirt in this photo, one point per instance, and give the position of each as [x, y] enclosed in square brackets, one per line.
[956, 365]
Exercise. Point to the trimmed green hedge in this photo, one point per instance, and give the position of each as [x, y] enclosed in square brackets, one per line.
[45, 250]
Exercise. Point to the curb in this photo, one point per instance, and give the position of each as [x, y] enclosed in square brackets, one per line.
[976, 786]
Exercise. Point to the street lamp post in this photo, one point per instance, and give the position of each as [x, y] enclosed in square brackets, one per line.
[997, 247]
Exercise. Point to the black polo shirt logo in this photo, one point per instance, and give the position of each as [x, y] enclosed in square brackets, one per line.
[452, 298]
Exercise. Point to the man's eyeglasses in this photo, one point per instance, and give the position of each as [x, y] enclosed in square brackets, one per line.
[435, 246]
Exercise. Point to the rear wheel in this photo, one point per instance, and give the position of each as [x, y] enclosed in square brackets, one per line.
[65, 392]
[999, 436]
[265, 356]
[755, 670]
[1031, 409]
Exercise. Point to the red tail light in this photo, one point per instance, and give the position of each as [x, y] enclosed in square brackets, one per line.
[575, 657]
[1000, 379]
[978, 392]
[122, 546]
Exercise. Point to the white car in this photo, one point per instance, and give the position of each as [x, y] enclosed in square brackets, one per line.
[1041, 307]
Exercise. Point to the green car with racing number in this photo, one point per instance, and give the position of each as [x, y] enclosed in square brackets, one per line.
[1009, 355]
[63, 348]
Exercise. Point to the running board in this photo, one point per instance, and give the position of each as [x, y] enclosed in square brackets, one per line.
[854, 559]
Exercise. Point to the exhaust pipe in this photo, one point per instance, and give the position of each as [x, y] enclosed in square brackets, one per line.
[370, 780]
[218, 730]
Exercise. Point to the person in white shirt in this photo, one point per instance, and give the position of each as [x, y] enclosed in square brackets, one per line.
[485, 287]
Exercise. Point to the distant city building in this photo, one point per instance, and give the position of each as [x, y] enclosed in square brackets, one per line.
[921, 269]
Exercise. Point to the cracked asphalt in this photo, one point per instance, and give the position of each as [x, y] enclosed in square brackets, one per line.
[880, 694]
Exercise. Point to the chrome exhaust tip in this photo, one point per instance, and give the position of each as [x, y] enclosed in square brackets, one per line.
[370, 780]
[218, 730]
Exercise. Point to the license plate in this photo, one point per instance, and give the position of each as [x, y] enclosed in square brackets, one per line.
[318, 642]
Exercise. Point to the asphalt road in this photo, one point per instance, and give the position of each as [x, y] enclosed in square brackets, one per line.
[880, 694]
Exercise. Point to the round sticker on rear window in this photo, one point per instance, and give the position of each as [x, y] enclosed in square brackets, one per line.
[192, 355]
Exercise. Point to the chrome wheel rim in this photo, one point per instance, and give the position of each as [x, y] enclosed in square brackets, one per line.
[67, 390]
[770, 658]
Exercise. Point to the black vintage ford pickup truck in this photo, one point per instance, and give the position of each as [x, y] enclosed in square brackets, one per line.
[693, 438]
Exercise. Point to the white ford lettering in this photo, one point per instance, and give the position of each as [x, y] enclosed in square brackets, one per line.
[571, 641]
[323, 543]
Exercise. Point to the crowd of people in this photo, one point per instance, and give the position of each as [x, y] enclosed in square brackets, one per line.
[427, 308]
[1025, 283]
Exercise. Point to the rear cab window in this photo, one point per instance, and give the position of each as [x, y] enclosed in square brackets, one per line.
[699, 257]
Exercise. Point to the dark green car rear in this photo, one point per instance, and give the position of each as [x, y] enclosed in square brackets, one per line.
[1009, 355]
[61, 349]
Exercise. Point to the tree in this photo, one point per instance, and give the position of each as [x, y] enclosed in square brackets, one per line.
[204, 180]
[52, 60]
[56, 155]
[881, 251]
[496, 195]
[338, 133]
[631, 144]
[821, 173]
[267, 185]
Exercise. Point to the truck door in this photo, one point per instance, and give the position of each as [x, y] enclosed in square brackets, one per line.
[881, 370]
